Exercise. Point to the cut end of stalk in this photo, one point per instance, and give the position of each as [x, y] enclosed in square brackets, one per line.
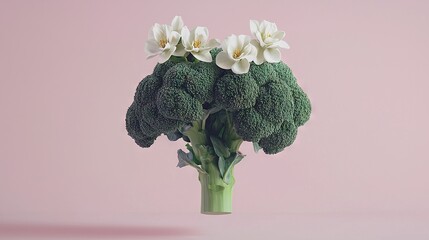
[215, 213]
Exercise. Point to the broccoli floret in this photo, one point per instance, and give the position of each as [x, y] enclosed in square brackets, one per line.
[146, 90]
[174, 95]
[251, 125]
[175, 103]
[161, 68]
[134, 130]
[156, 120]
[284, 73]
[234, 92]
[275, 102]
[197, 79]
[202, 86]
[302, 105]
[280, 139]
[144, 122]
[145, 142]
[273, 105]
[132, 123]
[263, 73]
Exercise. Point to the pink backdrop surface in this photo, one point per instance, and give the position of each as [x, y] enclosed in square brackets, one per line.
[69, 69]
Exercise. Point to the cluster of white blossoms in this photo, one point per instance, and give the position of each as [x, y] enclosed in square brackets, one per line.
[237, 51]
[177, 40]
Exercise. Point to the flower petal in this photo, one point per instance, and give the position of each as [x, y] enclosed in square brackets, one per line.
[186, 38]
[174, 38]
[241, 66]
[254, 26]
[212, 43]
[251, 53]
[272, 55]
[260, 40]
[243, 41]
[202, 34]
[165, 55]
[224, 61]
[177, 24]
[167, 31]
[269, 27]
[180, 50]
[280, 44]
[158, 32]
[247, 49]
[152, 47]
[279, 35]
[203, 56]
[263, 26]
[231, 44]
[259, 58]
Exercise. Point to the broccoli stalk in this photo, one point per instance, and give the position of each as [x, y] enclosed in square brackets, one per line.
[214, 146]
[216, 110]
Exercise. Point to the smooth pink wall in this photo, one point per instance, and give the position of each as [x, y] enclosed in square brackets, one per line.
[68, 72]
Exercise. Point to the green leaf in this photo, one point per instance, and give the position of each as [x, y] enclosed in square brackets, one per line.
[186, 159]
[195, 157]
[235, 144]
[220, 149]
[229, 165]
[256, 147]
[174, 136]
[222, 165]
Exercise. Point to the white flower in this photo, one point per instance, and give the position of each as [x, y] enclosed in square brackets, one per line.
[164, 40]
[268, 41]
[237, 54]
[196, 42]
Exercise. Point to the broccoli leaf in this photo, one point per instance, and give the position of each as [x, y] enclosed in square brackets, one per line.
[174, 136]
[256, 147]
[195, 158]
[220, 149]
[226, 165]
[186, 159]
[221, 165]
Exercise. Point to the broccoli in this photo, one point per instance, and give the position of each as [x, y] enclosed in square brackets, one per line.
[216, 110]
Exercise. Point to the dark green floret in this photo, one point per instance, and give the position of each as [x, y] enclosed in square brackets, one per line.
[147, 89]
[263, 73]
[234, 92]
[275, 102]
[174, 103]
[280, 139]
[251, 125]
[302, 109]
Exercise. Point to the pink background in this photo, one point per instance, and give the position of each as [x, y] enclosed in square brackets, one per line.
[69, 69]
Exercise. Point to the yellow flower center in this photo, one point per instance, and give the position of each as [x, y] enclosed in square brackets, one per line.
[197, 43]
[237, 53]
[163, 42]
[266, 35]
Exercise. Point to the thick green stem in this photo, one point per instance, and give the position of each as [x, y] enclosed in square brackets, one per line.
[216, 195]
